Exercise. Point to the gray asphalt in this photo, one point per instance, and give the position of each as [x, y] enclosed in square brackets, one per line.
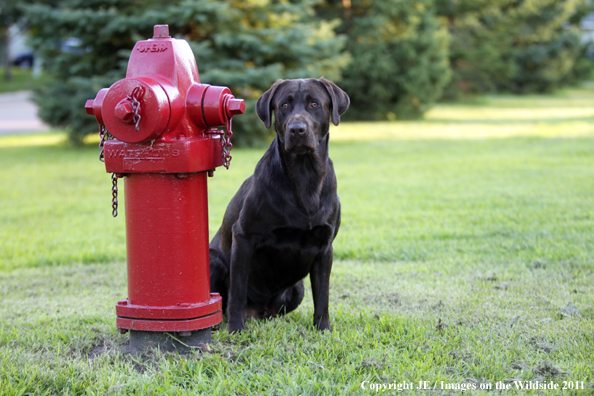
[18, 114]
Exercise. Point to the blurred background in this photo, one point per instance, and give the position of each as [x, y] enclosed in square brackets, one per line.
[395, 58]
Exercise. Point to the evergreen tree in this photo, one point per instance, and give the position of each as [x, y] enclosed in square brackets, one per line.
[10, 14]
[399, 56]
[514, 45]
[245, 45]
[548, 48]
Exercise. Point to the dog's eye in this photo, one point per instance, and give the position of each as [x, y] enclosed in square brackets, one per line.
[285, 105]
[314, 104]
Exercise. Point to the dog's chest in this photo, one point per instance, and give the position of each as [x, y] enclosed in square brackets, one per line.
[289, 253]
[314, 238]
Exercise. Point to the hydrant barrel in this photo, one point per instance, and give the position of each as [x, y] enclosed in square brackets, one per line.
[167, 237]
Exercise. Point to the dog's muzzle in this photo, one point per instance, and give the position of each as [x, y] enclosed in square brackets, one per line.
[299, 138]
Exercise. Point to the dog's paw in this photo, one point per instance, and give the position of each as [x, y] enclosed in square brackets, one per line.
[235, 328]
[323, 324]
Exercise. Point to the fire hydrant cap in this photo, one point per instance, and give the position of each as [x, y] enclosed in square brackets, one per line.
[236, 106]
[154, 110]
[89, 107]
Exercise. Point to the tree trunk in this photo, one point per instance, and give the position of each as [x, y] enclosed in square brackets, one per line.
[347, 9]
[5, 37]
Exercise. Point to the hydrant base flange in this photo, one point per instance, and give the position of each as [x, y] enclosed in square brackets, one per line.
[169, 341]
[126, 309]
[169, 325]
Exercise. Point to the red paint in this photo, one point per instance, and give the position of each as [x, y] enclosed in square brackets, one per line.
[170, 325]
[176, 156]
[181, 311]
[167, 238]
[155, 110]
[164, 160]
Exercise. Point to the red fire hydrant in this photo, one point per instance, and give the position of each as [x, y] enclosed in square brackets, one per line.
[159, 132]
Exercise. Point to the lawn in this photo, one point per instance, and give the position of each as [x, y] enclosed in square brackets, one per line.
[465, 259]
[21, 80]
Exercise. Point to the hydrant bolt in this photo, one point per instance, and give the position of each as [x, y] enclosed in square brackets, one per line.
[161, 31]
[124, 111]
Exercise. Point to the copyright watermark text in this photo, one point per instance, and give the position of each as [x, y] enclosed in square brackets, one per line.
[464, 386]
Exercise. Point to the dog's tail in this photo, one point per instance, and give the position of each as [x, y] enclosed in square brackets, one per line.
[219, 275]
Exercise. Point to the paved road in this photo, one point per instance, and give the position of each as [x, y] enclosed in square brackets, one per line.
[18, 114]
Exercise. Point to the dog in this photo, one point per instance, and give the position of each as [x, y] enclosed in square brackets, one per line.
[280, 225]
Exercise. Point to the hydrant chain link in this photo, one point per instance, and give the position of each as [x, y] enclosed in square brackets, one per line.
[114, 195]
[227, 145]
[105, 136]
[137, 91]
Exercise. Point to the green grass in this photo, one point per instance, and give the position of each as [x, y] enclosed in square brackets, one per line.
[465, 255]
[21, 80]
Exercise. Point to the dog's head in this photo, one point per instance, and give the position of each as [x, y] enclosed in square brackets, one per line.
[302, 111]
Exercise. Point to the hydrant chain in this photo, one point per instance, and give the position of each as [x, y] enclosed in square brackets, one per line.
[137, 91]
[114, 195]
[105, 136]
[227, 145]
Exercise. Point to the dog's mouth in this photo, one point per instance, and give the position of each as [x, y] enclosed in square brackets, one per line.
[300, 149]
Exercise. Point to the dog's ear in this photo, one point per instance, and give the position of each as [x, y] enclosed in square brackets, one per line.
[263, 105]
[340, 99]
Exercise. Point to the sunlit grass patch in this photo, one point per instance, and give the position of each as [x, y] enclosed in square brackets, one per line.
[567, 114]
[36, 139]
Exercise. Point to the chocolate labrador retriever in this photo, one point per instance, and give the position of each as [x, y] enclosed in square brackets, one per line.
[279, 226]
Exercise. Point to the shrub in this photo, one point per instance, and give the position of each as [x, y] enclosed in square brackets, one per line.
[518, 46]
[399, 59]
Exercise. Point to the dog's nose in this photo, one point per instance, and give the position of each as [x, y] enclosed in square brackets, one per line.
[297, 128]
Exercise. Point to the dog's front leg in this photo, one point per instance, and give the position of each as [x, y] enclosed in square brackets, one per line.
[320, 285]
[241, 257]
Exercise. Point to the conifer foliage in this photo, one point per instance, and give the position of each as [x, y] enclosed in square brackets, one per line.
[399, 58]
[518, 46]
[245, 45]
